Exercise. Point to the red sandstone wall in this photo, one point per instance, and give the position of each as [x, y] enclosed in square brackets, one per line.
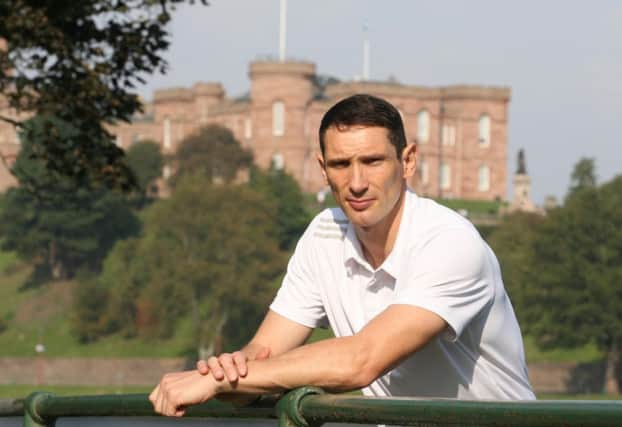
[545, 377]
[290, 82]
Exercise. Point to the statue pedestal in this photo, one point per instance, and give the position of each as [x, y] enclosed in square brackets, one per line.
[521, 201]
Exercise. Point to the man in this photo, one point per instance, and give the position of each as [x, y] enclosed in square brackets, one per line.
[411, 291]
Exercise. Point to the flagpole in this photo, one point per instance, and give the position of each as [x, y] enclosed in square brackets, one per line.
[283, 30]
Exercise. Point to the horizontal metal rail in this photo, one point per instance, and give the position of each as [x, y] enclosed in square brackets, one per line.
[310, 407]
[11, 407]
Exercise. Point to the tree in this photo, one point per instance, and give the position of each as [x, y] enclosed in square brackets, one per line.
[53, 221]
[574, 296]
[583, 176]
[512, 242]
[204, 254]
[145, 160]
[290, 213]
[212, 152]
[81, 62]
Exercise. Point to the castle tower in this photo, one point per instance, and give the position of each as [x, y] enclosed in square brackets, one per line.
[206, 95]
[281, 93]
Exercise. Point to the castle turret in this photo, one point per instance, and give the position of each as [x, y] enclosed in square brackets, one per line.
[206, 95]
[281, 93]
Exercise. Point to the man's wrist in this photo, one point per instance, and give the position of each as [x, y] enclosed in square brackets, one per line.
[220, 386]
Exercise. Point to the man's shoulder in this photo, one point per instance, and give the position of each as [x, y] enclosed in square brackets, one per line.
[429, 217]
[330, 224]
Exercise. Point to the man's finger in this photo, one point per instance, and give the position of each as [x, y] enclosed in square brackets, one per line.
[228, 364]
[202, 367]
[214, 365]
[240, 362]
[153, 398]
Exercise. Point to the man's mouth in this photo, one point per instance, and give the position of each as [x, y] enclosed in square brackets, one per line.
[360, 204]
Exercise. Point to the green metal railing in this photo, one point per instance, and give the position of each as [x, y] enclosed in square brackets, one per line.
[311, 407]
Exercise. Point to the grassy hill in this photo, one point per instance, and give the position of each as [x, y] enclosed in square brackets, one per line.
[43, 314]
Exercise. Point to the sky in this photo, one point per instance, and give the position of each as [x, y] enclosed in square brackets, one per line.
[561, 59]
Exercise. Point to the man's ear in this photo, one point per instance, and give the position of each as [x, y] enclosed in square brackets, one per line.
[409, 159]
[320, 160]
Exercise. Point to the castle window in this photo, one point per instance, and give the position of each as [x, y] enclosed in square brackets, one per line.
[423, 126]
[248, 128]
[484, 130]
[278, 161]
[483, 178]
[167, 133]
[278, 118]
[449, 135]
[445, 176]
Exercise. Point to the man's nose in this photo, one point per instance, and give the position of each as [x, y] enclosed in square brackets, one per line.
[358, 180]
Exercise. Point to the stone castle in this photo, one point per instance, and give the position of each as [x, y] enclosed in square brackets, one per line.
[461, 131]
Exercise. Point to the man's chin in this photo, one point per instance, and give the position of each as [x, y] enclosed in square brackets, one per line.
[360, 219]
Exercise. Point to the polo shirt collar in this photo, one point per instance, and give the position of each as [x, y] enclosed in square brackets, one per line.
[353, 252]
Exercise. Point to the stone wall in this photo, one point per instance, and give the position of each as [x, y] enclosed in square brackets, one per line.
[545, 377]
[85, 371]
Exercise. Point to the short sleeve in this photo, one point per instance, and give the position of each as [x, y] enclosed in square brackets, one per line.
[449, 274]
[299, 297]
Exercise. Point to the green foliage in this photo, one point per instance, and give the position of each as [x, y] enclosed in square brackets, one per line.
[81, 61]
[512, 242]
[145, 160]
[212, 152]
[203, 254]
[574, 294]
[291, 214]
[89, 302]
[55, 222]
[583, 176]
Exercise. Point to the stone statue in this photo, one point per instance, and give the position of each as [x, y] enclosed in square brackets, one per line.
[521, 168]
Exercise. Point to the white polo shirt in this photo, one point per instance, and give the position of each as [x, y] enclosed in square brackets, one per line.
[439, 262]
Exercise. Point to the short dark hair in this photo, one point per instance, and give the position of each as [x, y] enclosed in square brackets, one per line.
[365, 110]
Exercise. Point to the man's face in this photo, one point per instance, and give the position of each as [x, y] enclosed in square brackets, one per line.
[364, 172]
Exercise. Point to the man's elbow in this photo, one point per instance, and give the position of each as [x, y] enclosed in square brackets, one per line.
[363, 371]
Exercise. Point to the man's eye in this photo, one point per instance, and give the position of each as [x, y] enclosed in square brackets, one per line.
[340, 165]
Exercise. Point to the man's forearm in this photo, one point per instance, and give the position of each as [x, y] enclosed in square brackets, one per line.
[337, 364]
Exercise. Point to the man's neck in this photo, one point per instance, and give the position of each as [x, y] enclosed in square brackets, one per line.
[377, 242]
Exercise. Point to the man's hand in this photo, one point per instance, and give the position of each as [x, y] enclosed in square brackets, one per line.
[230, 365]
[180, 389]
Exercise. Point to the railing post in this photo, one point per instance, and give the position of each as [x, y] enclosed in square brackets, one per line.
[288, 407]
[31, 411]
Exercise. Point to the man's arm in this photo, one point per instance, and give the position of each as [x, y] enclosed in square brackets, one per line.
[275, 336]
[337, 364]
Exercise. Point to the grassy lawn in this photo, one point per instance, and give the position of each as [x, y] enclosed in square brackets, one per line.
[8, 260]
[588, 353]
[490, 207]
